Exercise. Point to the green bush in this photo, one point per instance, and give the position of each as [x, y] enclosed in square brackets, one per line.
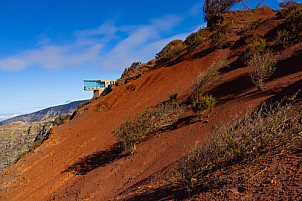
[82, 105]
[282, 39]
[293, 25]
[173, 49]
[61, 119]
[262, 66]
[142, 125]
[136, 70]
[173, 95]
[257, 45]
[219, 38]
[214, 10]
[251, 26]
[204, 104]
[195, 39]
[284, 13]
[287, 3]
[242, 140]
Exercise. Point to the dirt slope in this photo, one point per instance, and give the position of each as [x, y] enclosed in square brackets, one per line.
[80, 160]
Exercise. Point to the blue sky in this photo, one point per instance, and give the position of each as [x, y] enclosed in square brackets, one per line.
[48, 47]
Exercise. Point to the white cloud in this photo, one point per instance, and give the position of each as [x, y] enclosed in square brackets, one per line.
[107, 47]
[7, 116]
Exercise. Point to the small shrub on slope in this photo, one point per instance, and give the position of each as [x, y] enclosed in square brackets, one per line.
[214, 10]
[257, 45]
[173, 95]
[251, 26]
[282, 39]
[262, 66]
[173, 49]
[242, 140]
[142, 125]
[219, 38]
[294, 25]
[287, 3]
[204, 104]
[61, 119]
[195, 39]
[206, 79]
[284, 13]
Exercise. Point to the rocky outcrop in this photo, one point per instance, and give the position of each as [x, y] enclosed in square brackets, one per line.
[17, 138]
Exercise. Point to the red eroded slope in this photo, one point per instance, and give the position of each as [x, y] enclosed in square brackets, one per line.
[80, 161]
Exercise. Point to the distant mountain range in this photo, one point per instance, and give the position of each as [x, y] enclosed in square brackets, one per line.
[45, 113]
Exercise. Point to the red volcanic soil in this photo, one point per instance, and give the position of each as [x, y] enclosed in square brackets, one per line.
[80, 160]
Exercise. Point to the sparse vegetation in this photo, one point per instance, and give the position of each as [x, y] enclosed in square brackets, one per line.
[287, 3]
[242, 140]
[251, 26]
[219, 38]
[171, 50]
[257, 45]
[82, 105]
[262, 66]
[138, 128]
[37, 143]
[136, 70]
[206, 103]
[293, 25]
[214, 10]
[61, 119]
[195, 39]
[206, 79]
[202, 102]
[173, 95]
[282, 39]
[285, 12]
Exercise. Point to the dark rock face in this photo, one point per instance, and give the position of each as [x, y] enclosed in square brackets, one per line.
[46, 113]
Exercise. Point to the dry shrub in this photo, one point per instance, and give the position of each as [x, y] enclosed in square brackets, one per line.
[262, 66]
[293, 25]
[219, 38]
[282, 39]
[59, 120]
[136, 70]
[287, 3]
[284, 13]
[138, 128]
[195, 39]
[173, 49]
[242, 140]
[257, 45]
[214, 10]
[251, 26]
[206, 79]
[205, 104]
[173, 95]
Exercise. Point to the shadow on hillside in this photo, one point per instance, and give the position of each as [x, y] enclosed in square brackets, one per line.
[288, 66]
[95, 160]
[167, 192]
[232, 87]
[287, 92]
[203, 53]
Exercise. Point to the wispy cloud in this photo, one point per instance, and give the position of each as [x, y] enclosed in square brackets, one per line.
[107, 47]
[7, 116]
